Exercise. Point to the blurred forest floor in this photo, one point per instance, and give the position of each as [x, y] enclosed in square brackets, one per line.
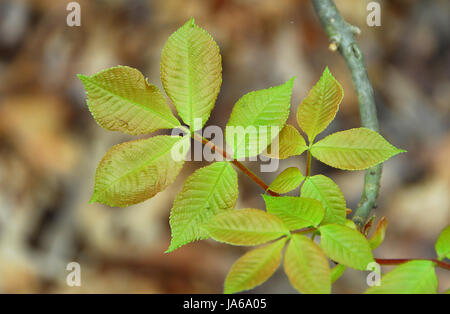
[50, 144]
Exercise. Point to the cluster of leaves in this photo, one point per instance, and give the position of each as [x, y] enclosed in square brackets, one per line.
[121, 99]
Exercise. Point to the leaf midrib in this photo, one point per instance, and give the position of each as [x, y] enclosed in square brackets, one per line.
[350, 148]
[325, 200]
[219, 177]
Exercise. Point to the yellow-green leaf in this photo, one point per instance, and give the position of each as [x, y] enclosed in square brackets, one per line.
[378, 235]
[245, 227]
[254, 267]
[354, 149]
[307, 266]
[328, 193]
[345, 246]
[257, 118]
[191, 73]
[295, 212]
[414, 277]
[290, 143]
[208, 191]
[443, 244]
[286, 181]
[134, 171]
[121, 99]
[319, 108]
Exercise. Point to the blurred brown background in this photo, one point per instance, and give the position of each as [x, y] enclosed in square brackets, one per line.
[50, 145]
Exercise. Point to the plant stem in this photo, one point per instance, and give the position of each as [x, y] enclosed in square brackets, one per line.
[308, 163]
[342, 37]
[398, 261]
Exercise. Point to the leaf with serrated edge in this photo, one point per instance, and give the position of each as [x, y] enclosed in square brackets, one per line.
[414, 277]
[307, 266]
[354, 149]
[290, 143]
[286, 181]
[257, 118]
[328, 193]
[121, 99]
[245, 227]
[295, 212]
[319, 108]
[345, 246]
[134, 171]
[254, 267]
[191, 73]
[208, 191]
[443, 244]
[377, 237]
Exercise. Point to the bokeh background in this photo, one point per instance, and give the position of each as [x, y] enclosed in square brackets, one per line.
[50, 145]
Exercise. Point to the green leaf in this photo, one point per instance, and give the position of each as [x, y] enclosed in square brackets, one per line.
[286, 181]
[257, 118]
[132, 172]
[295, 212]
[443, 244]
[307, 266]
[328, 193]
[414, 277]
[245, 227]
[337, 271]
[254, 267]
[377, 237]
[290, 143]
[121, 99]
[354, 149]
[345, 246]
[191, 73]
[208, 191]
[319, 108]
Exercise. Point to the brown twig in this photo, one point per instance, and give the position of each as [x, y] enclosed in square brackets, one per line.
[398, 261]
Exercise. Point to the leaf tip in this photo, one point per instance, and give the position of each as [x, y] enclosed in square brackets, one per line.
[170, 249]
[191, 22]
[82, 77]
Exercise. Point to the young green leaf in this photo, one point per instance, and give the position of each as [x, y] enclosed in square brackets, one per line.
[307, 266]
[377, 237]
[345, 246]
[354, 149]
[191, 72]
[132, 172]
[443, 244]
[121, 99]
[319, 108]
[337, 271]
[414, 277]
[328, 193]
[295, 212]
[254, 267]
[286, 181]
[290, 143]
[257, 118]
[207, 192]
[245, 227]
